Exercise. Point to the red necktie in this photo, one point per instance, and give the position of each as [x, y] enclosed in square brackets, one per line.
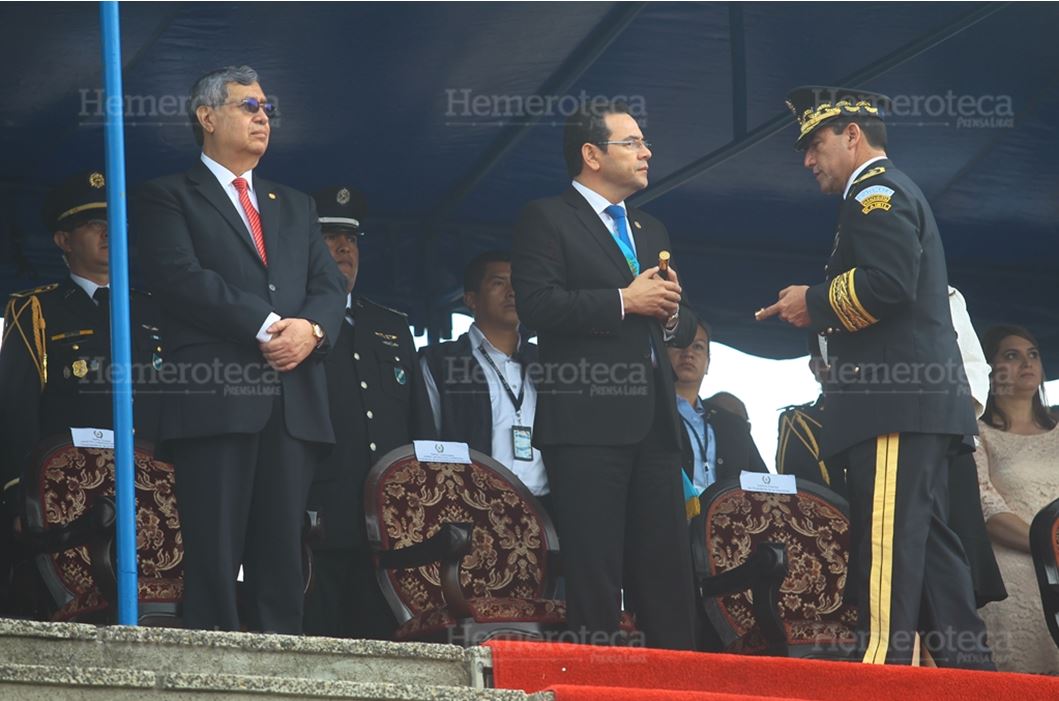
[253, 217]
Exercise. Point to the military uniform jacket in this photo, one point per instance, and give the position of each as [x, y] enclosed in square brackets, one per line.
[798, 447]
[378, 402]
[55, 370]
[894, 362]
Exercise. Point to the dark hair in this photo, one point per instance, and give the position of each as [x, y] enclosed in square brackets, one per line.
[588, 126]
[474, 273]
[993, 415]
[874, 128]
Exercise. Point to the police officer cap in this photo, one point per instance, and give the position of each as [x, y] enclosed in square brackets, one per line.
[340, 207]
[77, 199]
[815, 105]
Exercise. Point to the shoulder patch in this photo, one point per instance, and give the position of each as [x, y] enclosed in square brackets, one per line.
[874, 197]
[383, 307]
[36, 290]
[870, 173]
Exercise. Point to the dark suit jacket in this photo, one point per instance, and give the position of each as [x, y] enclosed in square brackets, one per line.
[597, 386]
[736, 450]
[200, 261]
[369, 422]
[895, 365]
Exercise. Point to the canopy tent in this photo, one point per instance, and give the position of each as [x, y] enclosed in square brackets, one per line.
[425, 108]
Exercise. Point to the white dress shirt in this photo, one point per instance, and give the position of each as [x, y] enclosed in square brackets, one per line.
[88, 286]
[974, 362]
[531, 472]
[226, 177]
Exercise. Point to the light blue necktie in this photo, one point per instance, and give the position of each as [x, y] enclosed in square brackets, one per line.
[622, 238]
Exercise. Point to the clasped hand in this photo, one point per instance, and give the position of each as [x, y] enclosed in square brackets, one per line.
[650, 295]
[292, 342]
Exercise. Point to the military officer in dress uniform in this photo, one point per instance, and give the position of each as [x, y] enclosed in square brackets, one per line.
[800, 431]
[898, 400]
[55, 357]
[377, 401]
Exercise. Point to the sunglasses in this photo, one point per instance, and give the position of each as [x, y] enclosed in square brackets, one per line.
[252, 105]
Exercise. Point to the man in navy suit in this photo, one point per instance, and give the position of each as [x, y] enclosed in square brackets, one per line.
[254, 301]
[585, 272]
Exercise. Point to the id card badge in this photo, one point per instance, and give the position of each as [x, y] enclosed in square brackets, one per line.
[522, 442]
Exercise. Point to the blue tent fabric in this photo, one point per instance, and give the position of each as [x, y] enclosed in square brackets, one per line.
[426, 108]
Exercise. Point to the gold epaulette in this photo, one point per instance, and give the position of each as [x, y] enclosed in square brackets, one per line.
[870, 174]
[36, 290]
[32, 334]
[842, 295]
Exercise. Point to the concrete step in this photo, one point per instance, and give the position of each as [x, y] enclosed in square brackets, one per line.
[52, 683]
[170, 652]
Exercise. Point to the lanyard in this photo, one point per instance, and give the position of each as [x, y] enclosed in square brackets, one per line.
[707, 444]
[516, 401]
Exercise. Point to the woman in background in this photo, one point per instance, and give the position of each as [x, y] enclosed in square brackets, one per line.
[1018, 473]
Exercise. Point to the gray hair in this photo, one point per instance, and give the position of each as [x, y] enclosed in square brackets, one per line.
[212, 90]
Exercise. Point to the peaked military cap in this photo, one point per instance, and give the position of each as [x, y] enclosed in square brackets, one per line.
[340, 206]
[76, 200]
[814, 105]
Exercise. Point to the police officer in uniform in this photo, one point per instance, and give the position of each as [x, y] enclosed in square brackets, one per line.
[898, 402]
[55, 357]
[378, 401]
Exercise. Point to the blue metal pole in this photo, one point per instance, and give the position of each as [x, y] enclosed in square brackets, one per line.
[114, 140]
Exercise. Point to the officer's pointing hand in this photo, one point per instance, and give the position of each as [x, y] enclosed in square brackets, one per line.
[790, 307]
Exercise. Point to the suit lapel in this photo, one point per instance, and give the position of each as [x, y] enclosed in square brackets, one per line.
[591, 221]
[268, 206]
[208, 186]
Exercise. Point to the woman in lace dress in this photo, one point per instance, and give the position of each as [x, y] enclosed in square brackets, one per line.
[1018, 472]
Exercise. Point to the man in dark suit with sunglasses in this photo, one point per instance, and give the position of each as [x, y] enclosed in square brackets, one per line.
[254, 301]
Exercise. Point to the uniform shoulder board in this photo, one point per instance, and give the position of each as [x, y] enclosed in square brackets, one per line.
[35, 291]
[383, 307]
[871, 173]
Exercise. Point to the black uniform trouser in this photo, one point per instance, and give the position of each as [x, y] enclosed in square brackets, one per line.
[908, 568]
[344, 600]
[242, 502]
[619, 510]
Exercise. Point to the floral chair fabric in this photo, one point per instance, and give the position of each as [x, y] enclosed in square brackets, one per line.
[814, 528]
[505, 578]
[66, 483]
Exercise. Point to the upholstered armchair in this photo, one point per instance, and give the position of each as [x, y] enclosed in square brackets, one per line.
[69, 525]
[771, 570]
[1044, 545]
[465, 553]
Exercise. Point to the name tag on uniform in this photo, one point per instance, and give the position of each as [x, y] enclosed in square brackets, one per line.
[767, 482]
[522, 442]
[92, 437]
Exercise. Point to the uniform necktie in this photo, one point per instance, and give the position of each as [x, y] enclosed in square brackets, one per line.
[102, 297]
[253, 217]
[622, 238]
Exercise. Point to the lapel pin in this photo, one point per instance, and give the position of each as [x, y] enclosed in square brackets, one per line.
[272, 195]
[637, 225]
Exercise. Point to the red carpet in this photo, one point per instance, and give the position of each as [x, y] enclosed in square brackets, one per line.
[583, 673]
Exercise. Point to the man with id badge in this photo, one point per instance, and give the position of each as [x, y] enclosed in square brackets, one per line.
[480, 385]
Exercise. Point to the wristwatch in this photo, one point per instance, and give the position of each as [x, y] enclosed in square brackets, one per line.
[318, 333]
